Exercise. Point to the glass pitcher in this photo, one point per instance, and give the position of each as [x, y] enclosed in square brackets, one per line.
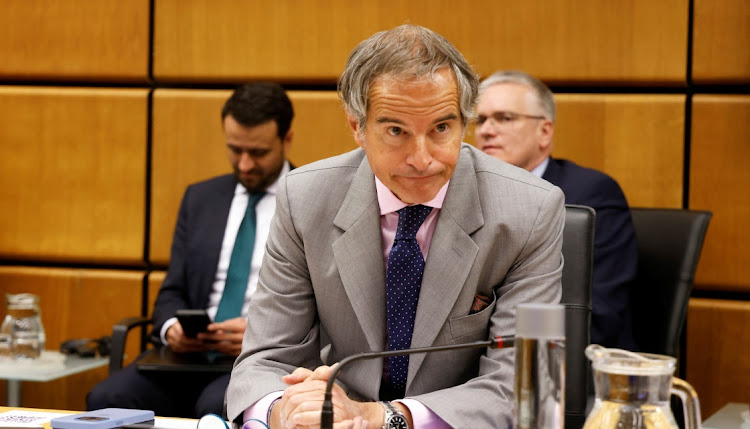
[633, 391]
[22, 333]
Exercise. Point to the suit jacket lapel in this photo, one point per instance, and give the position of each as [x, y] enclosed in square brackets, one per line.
[218, 207]
[359, 255]
[552, 172]
[450, 258]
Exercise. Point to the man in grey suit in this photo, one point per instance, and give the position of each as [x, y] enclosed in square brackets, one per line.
[491, 239]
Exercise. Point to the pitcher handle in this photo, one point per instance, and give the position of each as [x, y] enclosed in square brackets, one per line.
[691, 407]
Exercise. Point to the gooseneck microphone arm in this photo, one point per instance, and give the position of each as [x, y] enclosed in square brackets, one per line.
[326, 413]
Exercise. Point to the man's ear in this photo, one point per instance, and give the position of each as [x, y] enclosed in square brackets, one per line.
[287, 141]
[546, 132]
[354, 126]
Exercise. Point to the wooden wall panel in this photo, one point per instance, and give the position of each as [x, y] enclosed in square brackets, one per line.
[155, 279]
[75, 39]
[637, 139]
[75, 304]
[721, 41]
[72, 174]
[188, 146]
[718, 365]
[320, 127]
[587, 42]
[719, 178]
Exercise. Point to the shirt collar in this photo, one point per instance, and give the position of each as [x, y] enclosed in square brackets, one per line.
[390, 203]
[541, 168]
[271, 190]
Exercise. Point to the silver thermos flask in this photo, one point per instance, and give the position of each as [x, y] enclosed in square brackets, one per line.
[540, 366]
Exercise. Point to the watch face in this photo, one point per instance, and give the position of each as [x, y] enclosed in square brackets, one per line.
[397, 422]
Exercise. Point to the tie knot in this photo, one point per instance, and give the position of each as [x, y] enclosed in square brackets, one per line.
[410, 218]
[253, 198]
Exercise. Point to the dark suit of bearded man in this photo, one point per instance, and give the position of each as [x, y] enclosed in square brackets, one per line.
[215, 258]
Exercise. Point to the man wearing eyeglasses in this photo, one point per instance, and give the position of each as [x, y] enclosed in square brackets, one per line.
[515, 123]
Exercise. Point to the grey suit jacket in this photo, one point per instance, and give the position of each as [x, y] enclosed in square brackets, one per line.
[499, 234]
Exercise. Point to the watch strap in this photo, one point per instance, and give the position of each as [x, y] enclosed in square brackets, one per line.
[390, 411]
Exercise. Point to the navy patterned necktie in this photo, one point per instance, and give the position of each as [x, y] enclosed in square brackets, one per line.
[402, 283]
[233, 297]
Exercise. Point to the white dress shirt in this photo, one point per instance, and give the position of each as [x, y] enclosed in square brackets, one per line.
[264, 212]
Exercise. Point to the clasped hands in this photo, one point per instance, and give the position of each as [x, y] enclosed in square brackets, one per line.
[224, 337]
[301, 403]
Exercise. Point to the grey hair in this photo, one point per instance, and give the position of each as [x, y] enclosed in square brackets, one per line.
[544, 95]
[407, 51]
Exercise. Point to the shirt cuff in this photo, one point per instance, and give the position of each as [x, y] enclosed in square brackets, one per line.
[423, 417]
[260, 411]
[163, 333]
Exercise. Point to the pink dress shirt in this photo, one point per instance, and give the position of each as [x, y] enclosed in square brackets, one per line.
[422, 416]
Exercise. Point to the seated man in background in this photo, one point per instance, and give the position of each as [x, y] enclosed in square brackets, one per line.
[217, 250]
[412, 240]
[515, 123]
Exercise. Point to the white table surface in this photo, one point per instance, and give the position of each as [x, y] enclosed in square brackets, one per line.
[51, 365]
[729, 416]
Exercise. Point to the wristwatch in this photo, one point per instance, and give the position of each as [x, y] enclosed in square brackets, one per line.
[394, 419]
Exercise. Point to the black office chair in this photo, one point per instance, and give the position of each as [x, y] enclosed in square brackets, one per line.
[577, 277]
[119, 338]
[161, 358]
[669, 246]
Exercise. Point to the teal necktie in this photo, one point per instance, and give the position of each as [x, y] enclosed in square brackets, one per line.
[235, 287]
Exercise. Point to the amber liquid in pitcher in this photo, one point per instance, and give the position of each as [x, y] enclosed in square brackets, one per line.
[631, 401]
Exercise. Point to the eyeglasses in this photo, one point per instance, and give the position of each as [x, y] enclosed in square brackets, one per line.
[504, 119]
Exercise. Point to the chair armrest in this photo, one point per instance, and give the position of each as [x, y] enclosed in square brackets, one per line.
[119, 336]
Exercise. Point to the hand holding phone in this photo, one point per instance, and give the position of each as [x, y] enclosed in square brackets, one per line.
[193, 321]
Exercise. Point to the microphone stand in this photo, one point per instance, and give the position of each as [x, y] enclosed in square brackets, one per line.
[326, 413]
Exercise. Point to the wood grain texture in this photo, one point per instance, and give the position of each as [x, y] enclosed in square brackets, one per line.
[719, 176]
[75, 304]
[636, 139]
[320, 127]
[189, 146]
[577, 42]
[155, 279]
[74, 39]
[718, 365]
[721, 41]
[73, 174]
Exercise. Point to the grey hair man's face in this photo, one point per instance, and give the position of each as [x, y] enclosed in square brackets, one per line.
[511, 125]
[413, 132]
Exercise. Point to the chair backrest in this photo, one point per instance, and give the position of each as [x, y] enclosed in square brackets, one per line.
[669, 246]
[577, 275]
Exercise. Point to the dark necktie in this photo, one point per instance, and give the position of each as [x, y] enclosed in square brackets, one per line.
[235, 287]
[403, 279]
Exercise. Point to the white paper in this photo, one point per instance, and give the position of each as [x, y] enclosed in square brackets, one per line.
[167, 423]
[26, 419]
[19, 419]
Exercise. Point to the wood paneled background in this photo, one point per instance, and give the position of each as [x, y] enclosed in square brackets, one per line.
[110, 108]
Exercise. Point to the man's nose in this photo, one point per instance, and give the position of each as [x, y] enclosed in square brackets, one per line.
[420, 157]
[485, 128]
[247, 162]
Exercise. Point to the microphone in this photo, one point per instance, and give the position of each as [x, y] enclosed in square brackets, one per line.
[326, 413]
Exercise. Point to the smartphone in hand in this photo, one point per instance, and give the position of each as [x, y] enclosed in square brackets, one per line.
[193, 321]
